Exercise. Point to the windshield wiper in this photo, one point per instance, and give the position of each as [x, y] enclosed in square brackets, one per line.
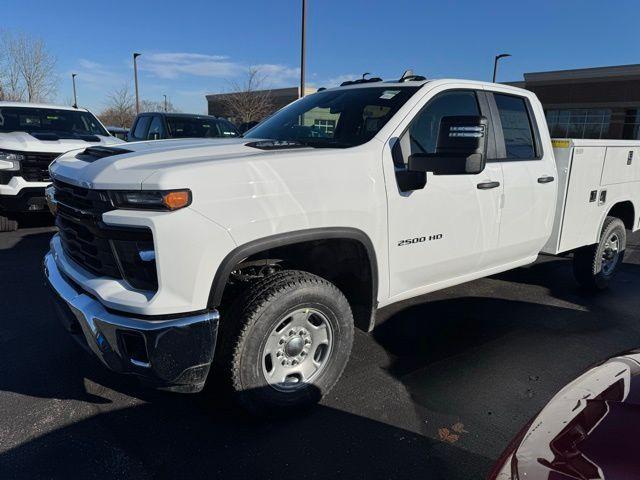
[275, 144]
[320, 143]
[297, 143]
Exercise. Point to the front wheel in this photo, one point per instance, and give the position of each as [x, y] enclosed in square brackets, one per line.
[287, 340]
[595, 265]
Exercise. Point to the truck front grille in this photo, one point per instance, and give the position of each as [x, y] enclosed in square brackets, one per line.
[91, 251]
[102, 249]
[35, 166]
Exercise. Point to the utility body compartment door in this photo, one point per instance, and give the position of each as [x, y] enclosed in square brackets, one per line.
[594, 176]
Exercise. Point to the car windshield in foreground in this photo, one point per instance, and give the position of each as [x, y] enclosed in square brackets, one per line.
[200, 127]
[50, 121]
[335, 118]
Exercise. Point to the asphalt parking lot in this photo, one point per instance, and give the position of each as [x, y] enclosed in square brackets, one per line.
[436, 391]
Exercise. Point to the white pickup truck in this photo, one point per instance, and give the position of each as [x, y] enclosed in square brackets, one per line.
[270, 248]
[32, 135]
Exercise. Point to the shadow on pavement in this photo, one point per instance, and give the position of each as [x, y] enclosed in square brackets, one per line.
[181, 438]
[492, 360]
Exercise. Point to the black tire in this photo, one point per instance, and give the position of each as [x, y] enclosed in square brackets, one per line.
[8, 224]
[251, 321]
[588, 261]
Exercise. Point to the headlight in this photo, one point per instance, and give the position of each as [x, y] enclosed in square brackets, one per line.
[10, 161]
[152, 199]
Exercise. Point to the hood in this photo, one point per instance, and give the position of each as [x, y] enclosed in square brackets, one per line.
[129, 168]
[24, 142]
[589, 430]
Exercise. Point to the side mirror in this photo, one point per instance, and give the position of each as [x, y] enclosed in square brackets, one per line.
[461, 148]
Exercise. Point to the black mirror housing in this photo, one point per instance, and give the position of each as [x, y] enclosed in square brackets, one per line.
[461, 148]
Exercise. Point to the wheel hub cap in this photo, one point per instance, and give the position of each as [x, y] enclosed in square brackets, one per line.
[294, 347]
[297, 349]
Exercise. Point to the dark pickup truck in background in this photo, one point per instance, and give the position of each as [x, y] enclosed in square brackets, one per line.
[163, 125]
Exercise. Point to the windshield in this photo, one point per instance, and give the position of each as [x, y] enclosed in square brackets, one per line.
[61, 123]
[200, 127]
[338, 118]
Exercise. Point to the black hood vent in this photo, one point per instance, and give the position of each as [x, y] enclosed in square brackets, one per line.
[92, 154]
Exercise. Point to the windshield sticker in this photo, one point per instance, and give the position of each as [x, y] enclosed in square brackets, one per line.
[389, 94]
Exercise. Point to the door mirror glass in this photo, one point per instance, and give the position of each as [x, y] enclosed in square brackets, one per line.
[461, 148]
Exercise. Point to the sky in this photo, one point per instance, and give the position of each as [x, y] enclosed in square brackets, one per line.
[191, 47]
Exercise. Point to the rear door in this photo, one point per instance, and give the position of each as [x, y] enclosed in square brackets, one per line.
[449, 227]
[530, 177]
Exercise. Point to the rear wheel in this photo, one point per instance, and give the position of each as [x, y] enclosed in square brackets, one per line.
[287, 341]
[7, 224]
[595, 265]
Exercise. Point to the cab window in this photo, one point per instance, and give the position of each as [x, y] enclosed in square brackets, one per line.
[422, 135]
[156, 129]
[516, 127]
[423, 132]
[141, 128]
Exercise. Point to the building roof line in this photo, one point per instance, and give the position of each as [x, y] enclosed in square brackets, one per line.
[631, 70]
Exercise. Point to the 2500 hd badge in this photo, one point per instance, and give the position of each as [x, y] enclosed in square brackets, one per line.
[411, 241]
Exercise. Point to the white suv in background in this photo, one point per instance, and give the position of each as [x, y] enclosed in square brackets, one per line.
[31, 137]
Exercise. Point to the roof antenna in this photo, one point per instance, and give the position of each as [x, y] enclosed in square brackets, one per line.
[407, 73]
[364, 75]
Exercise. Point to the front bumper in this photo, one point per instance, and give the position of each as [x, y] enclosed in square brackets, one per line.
[173, 354]
[29, 199]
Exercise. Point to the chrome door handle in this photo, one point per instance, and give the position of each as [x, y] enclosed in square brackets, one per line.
[488, 185]
[546, 179]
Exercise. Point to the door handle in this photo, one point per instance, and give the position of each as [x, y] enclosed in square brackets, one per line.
[546, 179]
[488, 185]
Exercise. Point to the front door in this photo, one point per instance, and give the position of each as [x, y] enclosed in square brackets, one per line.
[450, 227]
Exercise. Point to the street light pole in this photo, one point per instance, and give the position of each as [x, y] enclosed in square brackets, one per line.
[75, 97]
[302, 47]
[135, 78]
[165, 102]
[495, 64]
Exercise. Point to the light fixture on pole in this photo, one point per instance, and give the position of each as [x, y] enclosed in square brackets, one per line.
[495, 64]
[302, 46]
[165, 102]
[75, 97]
[135, 79]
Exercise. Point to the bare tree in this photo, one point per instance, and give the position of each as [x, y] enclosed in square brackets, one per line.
[247, 101]
[120, 108]
[153, 106]
[27, 68]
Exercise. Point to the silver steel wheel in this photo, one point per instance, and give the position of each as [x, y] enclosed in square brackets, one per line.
[297, 349]
[610, 254]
